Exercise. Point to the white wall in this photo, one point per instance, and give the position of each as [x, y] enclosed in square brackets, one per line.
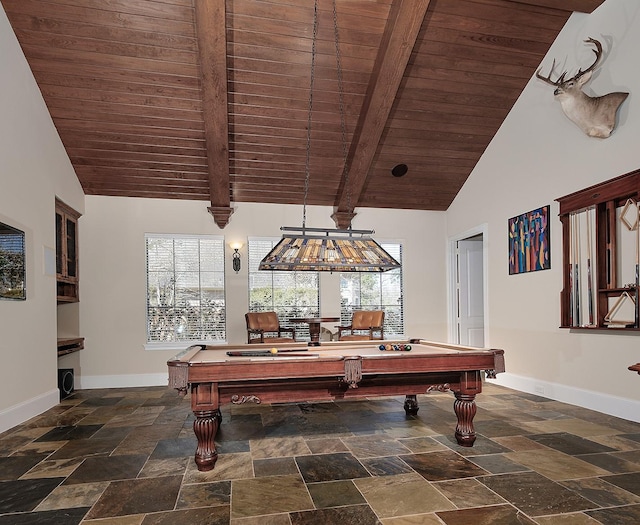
[34, 169]
[113, 280]
[538, 156]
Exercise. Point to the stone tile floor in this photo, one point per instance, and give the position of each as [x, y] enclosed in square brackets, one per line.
[125, 457]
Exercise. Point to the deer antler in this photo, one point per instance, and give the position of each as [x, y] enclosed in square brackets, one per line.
[547, 79]
[561, 79]
[598, 53]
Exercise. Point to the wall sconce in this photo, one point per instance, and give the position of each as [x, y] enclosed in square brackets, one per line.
[236, 256]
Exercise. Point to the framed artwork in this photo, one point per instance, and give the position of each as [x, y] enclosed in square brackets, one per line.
[12, 263]
[529, 242]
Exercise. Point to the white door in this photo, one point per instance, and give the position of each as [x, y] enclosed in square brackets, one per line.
[470, 291]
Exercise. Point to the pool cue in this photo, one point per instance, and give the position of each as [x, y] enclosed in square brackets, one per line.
[637, 309]
[280, 350]
[571, 298]
[267, 353]
[589, 276]
[578, 276]
[576, 271]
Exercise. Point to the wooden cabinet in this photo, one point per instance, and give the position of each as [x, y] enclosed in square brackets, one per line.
[600, 255]
[66, 252]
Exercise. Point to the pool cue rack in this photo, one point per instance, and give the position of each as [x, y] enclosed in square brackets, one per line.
[601, 255]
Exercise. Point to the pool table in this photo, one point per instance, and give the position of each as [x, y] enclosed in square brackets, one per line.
[332, 371]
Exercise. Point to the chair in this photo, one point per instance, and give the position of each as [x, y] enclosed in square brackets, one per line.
[365, 325]
[264, 327]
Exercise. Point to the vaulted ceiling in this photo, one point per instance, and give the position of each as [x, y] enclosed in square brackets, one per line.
[209, 99]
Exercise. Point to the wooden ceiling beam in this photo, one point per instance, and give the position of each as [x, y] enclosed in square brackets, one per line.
[398, 40]
[211, 32]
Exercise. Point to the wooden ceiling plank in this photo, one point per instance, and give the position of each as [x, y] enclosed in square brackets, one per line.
[132, 143]
[118, 164]
[138, 110]
[367, 36]
[130, 117]
[401, 31]
[211, 31]
[297, 72]
[148, 134]
[99, 16]
[500, 12]
[124, 98]
[150, 193]
[582, 6]
[111, 61]
[171, 10]
[481, 47]
[97, 156]
[107, 47]
[102, 174]
[491, 28]
[94, 88]
[132, 80]
[106, 33]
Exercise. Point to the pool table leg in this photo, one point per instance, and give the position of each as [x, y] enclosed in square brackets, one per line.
[205, 403]
[411, 405]
[465, 408]
[205, 428]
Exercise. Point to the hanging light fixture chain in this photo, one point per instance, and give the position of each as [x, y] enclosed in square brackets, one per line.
[322, 249]
[343, 126]
[307, 162]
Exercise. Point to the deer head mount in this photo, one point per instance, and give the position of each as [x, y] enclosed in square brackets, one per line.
[596, 116]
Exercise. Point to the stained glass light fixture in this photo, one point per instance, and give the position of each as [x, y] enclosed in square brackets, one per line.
[322, 249]
[319, 249]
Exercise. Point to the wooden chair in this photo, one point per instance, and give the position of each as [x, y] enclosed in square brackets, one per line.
[264, 327]
[365, 325]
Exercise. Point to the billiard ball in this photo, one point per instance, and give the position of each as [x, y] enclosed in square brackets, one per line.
[381, 348]
[274, 350]
[407, 347]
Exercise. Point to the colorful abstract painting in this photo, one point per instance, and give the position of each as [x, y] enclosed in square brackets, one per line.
[529, 242]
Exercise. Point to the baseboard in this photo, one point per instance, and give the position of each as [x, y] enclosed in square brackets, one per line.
[621, 407]
[18, 414]
[121, 381]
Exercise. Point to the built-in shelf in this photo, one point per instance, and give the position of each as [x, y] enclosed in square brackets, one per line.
[601, 256]
[68, 345]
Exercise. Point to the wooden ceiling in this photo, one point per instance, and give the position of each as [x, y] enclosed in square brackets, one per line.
[209, 99]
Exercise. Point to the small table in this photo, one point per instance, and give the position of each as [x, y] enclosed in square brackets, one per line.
[314, 325]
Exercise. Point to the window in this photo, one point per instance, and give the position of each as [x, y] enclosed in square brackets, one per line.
[375, 291]
[289, 294]
[185, 288]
